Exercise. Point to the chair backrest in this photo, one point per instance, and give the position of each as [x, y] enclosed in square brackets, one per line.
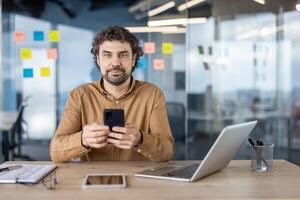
[17, 126]
[176, 115]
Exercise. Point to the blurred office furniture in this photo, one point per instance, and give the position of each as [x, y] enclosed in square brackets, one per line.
[176, 115]
[17, 134]
[7, 119]
[295, 126]
[236, 181]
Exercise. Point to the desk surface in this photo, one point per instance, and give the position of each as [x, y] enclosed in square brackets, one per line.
[234, 182]
[7, 119]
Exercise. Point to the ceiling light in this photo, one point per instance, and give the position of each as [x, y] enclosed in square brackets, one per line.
[178, 21]
[260, 1]
[178, 31]
[147, 29]
[259, 32]
[141, 6]
[161, 8]
[298, 6]
[188, 4]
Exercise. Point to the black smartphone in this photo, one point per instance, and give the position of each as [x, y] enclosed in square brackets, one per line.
[114, 117]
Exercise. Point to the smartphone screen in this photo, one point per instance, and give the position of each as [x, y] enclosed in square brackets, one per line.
[95, 180]
[114, 117]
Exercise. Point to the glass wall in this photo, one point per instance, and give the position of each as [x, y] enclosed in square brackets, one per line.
[245, 71]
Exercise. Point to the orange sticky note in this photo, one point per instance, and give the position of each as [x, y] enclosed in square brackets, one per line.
[149, 47]
[52, 53]
[18, 36]
[158, 64]
[45, 71]
[167, 48]
[54, 36]
[25, 53]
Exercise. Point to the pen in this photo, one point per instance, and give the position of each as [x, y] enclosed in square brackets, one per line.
[10, 168]
[254, 147]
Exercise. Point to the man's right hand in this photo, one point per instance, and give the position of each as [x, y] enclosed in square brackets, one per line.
[94, 135]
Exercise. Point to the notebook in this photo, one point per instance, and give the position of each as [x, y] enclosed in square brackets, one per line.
[28, 173]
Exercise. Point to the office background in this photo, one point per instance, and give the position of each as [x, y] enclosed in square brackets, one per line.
[218, 62]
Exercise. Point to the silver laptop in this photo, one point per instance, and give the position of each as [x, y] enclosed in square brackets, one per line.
[217, 158]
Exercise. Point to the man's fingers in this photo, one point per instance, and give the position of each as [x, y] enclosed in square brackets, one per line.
[98, 128]
[95, 140]
[119, 129]
[98, 146]
[123, 146]
[119, 136]
[119, 142]
[95, 134]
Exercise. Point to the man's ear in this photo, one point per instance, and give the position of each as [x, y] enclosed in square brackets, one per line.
[98, 61]
[133, 59]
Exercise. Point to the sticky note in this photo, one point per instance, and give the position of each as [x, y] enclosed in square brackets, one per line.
[210, 50]
[25, 53]
[158, 64]
[206, 65]
[149, 47]
[200, 49]
[226, 52]
[38, 35]
[45, 71]
[54, 36]
[28, 72]
[18, 36]
[254, 62]
[167, 48]
[142, 63]
[52, 53]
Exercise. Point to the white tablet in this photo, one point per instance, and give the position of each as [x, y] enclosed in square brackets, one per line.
[93, 181]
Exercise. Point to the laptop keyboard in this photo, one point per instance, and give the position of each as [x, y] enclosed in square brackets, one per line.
[186, 172]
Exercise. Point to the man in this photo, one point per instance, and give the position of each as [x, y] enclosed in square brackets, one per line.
[81, 133]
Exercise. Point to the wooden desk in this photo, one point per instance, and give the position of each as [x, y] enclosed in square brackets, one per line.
[234, 182]
[7, 119]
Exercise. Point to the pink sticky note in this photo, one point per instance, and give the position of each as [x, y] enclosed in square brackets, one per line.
[18, 36]
[149, 47]
[52, 53]
[158, 64]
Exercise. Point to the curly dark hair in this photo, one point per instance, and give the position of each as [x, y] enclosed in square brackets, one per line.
[120, 34]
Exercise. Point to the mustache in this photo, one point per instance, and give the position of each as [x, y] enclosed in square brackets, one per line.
[118, 68]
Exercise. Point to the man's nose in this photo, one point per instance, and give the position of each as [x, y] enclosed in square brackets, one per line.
[115, 60]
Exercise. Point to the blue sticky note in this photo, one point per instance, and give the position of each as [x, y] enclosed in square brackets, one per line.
[28, 73]
[142, 63]
[38, 35]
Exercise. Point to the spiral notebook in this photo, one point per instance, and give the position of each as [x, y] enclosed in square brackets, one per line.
[27, 173]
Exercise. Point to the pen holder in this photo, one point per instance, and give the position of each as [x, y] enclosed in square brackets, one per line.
[262, 158]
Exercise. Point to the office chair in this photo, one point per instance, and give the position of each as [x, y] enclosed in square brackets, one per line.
[16, 134]
[176, 115]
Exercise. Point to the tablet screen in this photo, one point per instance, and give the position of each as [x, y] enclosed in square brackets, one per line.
[104, 180]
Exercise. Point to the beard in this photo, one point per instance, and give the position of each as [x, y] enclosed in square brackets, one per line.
[119, 79]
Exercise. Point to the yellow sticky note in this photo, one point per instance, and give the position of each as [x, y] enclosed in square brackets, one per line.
[167, 48]
[45, 71]
[54, 36]
[25, 53]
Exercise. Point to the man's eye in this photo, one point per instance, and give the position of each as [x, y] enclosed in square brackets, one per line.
[123, 55]
[106, 55]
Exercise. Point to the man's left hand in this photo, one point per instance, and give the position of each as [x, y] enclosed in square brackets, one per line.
[125, 137]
